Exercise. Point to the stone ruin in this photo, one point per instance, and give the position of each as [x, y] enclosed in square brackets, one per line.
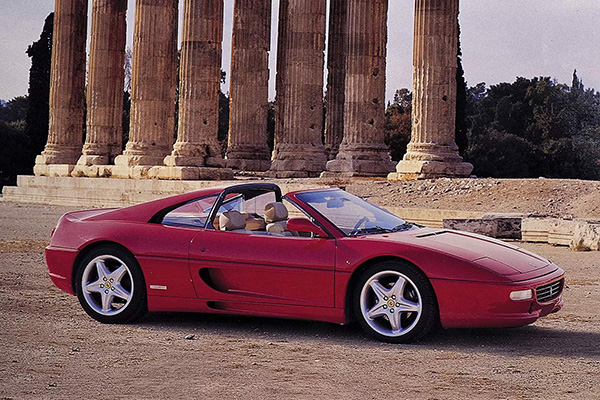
[355, 101]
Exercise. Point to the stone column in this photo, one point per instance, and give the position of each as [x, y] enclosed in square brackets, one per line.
[432, 151]
[67, 90]
[153, 84]
[105, 87]
[249, 86]
[336, 78]
[199, 82]
[363, 151]
[299, 150]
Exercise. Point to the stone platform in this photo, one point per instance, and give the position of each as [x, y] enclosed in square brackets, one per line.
[114, 192]
[579, 234]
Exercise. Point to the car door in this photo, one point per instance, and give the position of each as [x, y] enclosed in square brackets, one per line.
[261, 268]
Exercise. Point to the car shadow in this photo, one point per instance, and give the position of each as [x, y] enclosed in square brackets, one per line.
[529, 340]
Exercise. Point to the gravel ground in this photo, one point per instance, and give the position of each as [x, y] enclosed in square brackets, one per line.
[52, 349]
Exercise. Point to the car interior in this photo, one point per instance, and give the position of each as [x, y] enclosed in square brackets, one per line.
[251, 209]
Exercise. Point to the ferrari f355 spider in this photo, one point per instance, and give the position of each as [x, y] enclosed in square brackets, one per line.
[316, 254]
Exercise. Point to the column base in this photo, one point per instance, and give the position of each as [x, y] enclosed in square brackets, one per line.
[249, 157]
[360, 160]
[56, 161]
[359, 168]
[53, 169]
[243, 164]
[92, 159]
[183, 161]
[414, 169]
[298, 161]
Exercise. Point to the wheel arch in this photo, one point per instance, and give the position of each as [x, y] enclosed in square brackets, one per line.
[88, 249]
[349, 313]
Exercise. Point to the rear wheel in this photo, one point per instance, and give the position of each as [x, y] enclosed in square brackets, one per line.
[110, 285]
[394, 302]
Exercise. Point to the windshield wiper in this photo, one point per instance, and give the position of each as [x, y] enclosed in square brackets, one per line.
[403, 227]
[372, 229]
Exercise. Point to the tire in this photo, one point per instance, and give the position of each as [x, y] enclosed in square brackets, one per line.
[394, 302]
[110, 285]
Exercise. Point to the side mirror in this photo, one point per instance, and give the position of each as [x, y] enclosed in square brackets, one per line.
[305, 225]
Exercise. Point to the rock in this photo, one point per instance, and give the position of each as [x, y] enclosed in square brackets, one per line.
[586, 236]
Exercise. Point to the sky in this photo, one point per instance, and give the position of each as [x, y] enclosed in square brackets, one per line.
[500, 41]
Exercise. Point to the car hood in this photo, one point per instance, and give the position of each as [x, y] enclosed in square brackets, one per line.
[491, 254]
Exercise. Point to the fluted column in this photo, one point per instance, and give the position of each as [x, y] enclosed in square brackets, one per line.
[67, 89]
[432, 151]
[299, 150]
[200, 77]
[105, 84]
[249, 86]
[153, 84]
[336, 78]
[363, 151]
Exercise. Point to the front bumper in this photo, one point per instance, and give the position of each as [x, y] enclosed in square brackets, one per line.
[488, 305]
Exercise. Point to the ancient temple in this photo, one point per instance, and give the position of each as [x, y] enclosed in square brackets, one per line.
[161, 148]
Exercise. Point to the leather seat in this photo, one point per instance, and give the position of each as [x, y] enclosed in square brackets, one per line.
[232, 221]
[276, 216]
[254, 224]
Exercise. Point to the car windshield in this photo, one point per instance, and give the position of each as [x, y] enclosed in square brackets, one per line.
[353, 215]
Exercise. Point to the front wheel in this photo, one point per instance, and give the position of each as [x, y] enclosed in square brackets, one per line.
[110, 285]
[394, 302]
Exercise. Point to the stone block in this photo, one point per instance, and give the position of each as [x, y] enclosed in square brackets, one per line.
[535, 230]
[509, 226]
[413, 169]
[496, 227]
[55, 170]
[482, 227]
[548, 230]
[92, 171]
[560, 232]
[586, 236]
[190, 173]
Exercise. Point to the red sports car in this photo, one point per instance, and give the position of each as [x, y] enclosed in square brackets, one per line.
[315, 254]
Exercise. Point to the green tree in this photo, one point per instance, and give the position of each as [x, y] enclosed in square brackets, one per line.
[461, 126]
[534, 127]
[398, 123]
[14, 110]
[40, 52]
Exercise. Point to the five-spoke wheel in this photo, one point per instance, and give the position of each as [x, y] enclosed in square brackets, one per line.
[394, 302]
[110, 285]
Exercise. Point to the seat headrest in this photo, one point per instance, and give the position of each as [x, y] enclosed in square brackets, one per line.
[275, 212]
[232, 220]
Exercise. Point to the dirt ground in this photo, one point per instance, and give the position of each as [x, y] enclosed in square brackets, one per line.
[544, 197]
[53, 350]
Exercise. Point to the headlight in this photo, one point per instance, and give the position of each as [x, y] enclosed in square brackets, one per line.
[519, 295]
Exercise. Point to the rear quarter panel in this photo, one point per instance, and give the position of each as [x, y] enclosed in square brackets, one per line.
[161, 251]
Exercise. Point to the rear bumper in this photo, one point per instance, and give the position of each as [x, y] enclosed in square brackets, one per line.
[60, 267]
[488, 305]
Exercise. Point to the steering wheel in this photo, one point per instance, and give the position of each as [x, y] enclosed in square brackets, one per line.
[360, 222]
